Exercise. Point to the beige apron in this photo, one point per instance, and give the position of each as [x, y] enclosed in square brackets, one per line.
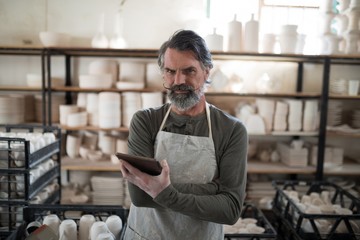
[191, 160]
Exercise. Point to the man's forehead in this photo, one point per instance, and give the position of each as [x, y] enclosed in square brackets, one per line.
[183, 59]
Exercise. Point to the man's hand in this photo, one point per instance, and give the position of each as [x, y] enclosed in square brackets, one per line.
[152, 185]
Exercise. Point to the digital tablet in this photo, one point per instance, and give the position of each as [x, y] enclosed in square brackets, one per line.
[144, 164]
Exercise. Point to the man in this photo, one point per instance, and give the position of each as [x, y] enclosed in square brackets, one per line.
[202, 152]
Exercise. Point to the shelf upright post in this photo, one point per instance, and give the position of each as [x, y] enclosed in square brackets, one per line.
[68, 78]
[43, 88]
[299, 82]
[49, 85]
[323, 117]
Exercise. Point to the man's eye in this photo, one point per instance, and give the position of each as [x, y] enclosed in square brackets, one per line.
[189, 71]
[169, 71]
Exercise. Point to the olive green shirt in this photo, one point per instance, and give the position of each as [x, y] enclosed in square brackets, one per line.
[219, 201]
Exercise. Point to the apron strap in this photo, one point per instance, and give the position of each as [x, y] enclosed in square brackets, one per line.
[207, 110]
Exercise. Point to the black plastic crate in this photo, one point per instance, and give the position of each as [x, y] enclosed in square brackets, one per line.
[15, 184]
[15, 152]
[320, 225]
[11, 217]
[251, 211]
[38, 212]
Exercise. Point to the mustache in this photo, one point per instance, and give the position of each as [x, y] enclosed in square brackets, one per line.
[181, 87]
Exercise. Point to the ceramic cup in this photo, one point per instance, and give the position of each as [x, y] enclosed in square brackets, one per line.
[97, 228]
[86, 221]
[353, 89]
[72, 145]
[68, 230]
[53, 221]
[105, 236]
[32, 226]
[114, 224]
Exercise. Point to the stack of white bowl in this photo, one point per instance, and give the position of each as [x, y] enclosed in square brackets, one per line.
[151, 99]
[105, 66]
[35, 80]
[77, 119]
[95, 81]
[311, 110]
[280, 117]
[12, 109]
[132, 75]
[153, 77]
[334, 113]
[92, 108]
[81, 100]
[266, 109]
[338, 86]
[107, 144]
[109, 110]
[65, 110]
[288, 38]
[131, 102]
[295, 114]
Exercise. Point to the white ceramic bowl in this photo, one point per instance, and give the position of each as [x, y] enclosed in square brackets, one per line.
[95, 81]
[78, 119]
[129, 85]
[35, 80]
[54, 39]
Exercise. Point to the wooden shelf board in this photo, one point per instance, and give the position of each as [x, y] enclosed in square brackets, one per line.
[80, 164]
[345, 169]
[277, 168]
[78, 89]
[19, 88]
[93, 128]
[342, 134]
[344, 97]
[264, 95]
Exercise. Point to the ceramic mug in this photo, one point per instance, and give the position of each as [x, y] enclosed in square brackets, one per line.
[86, 221]
[53, 221]
[31, 227]
[97, 228]
[68, 230]
[114, 224]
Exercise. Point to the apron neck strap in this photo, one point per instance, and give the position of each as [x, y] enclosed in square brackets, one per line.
[207, 110]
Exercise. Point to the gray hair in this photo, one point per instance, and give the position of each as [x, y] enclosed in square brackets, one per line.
[187, 40]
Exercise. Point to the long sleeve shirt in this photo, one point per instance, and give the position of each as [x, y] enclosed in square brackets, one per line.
[218, 201]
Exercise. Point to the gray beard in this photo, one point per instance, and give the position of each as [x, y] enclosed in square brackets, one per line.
[185, 102]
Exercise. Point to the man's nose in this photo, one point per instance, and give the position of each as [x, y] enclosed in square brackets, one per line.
[179, 78]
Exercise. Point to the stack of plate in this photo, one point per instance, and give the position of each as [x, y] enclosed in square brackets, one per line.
[107, 190]
[338, 86]
[95, 81]
[131, 102]
[12, 109]
[356, 119]
[105, 66]
[266, 109]
[132, 71]
[334, 113]
[153, 76]
[151, 99]
[310, 121]
[109, 110]
[280, 117]
[295, 115]
[92, 108]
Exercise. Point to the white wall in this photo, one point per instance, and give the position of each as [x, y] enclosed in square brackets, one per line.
[146, 23]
